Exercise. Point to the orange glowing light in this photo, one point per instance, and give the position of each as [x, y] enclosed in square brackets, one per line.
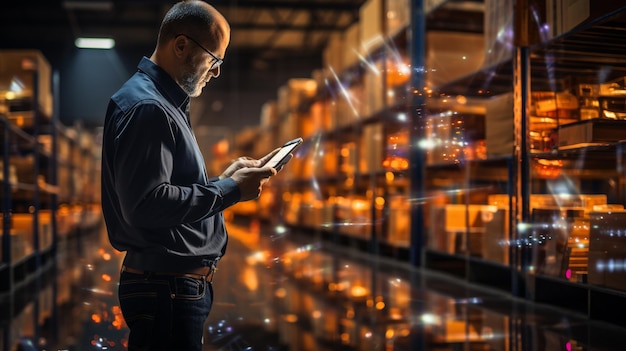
[396, 163]
[96, 318]
[280, 293]
[358, 291]
[345, 338]
[250, 279]
[380, 201]
[118, 319]
[291, 318]
[550, 169]
[389, 176]
[106, 277]
[390, 333]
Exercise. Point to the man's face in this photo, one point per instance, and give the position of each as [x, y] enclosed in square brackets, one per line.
[193, 78]
[200, 67]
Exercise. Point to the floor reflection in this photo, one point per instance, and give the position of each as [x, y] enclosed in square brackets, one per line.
[278, 290]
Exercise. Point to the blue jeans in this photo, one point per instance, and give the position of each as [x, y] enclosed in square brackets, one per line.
[164, 312]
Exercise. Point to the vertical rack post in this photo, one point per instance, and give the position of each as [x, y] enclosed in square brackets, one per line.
[416, 154]
[6, 196]
[521, 170]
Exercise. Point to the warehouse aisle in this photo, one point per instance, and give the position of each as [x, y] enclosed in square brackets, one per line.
[279, 290]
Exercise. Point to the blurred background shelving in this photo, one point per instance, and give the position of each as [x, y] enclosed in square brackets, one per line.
[50, 171]
[518, 123]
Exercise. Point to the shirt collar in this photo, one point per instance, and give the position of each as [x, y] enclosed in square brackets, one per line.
[165, 83]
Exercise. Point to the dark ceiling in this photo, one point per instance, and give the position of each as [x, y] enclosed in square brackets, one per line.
[263, 30]
[271, 42]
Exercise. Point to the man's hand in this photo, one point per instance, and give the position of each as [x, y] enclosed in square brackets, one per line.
[248, 162]
[271, 154]
[251, 180]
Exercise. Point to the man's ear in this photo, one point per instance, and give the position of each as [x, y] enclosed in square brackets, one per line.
[181, 43]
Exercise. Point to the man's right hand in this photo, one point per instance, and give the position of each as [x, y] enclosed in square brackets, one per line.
[251, 180]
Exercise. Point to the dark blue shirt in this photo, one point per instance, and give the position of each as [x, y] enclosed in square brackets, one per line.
[158, 203]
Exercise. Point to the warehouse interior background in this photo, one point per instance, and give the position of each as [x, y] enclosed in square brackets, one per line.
[496, 164]
[271, 42]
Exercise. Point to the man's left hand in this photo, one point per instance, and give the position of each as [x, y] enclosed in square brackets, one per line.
[244, 161]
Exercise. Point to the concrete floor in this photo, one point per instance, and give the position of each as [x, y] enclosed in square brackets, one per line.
[279, 290]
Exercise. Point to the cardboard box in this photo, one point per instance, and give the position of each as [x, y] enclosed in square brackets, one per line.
[437, 238]
[371, 26]
[398, 16]
[591, 132]
[351, 46]
[269, 114]
[348, 106]
[399, 230]
[321, 116]
[499, 125]
[452, 55]
[373, 92]
[294, 93]
[333, 54]
[23, 65]
[371, 159]
[607, 249]
[325, 160]
[564, 15]
[495, 240]
[596, 274]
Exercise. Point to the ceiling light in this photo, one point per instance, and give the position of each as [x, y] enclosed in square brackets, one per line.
[94, 43]
[88, 5]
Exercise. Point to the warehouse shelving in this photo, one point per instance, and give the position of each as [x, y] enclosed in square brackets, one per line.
[28, 196]
[508, 106]
[49, 175]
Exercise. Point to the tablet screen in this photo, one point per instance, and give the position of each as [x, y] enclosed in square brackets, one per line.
[276, 160]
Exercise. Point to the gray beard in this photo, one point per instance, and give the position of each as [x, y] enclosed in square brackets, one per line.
[189, 83]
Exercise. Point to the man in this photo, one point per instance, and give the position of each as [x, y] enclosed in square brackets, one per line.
[158, 203]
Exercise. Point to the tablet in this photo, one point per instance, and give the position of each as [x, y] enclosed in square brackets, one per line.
[280, 158]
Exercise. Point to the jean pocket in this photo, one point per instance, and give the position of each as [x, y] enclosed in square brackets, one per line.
[187, 288]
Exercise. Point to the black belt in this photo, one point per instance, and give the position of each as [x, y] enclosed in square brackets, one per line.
[205, 273]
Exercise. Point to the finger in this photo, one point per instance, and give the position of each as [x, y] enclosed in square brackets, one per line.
[267, 157]
[247, 162]
[266, 172]
[287, 159]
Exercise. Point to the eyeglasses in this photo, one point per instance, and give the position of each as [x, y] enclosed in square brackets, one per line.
[218, 61]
